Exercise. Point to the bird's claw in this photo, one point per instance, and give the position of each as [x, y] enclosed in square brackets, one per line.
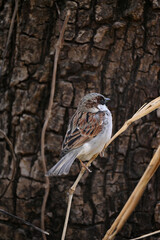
[87, 168]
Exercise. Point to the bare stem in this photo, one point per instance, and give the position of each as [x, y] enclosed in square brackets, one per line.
[24, 221]
[71, 192]
[146, 235]
[67, 215]
[134, 198]
[48, 114]
[144, 110]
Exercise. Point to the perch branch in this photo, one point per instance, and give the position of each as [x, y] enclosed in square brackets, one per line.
[14, 161]
[48, 114]
[134, 198]
[24, 221]
[146, 235]
[143, 111]
[71, 192]
[9, 33]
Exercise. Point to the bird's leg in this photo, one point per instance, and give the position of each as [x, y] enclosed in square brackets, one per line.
[102, 153]
[83, 165]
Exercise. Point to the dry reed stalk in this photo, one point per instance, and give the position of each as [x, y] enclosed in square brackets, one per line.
[71, 192]
[143, 111]
[146, 235]
[134, 198]
[58, 47]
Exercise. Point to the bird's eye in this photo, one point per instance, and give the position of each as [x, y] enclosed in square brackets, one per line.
[102, 101]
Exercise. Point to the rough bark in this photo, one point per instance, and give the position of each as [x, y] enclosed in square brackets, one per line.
[111, 47]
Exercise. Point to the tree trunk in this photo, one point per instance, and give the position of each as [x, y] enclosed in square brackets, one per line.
[110, 47]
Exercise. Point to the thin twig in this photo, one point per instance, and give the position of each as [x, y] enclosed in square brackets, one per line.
[58, 10]
[14, 161]
[9, 34]
[24, 221]
[146, 235]
[144, 110]
[134, 198]
[71, 192]
[48, 114]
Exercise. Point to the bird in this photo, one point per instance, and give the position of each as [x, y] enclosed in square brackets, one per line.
[89, 129]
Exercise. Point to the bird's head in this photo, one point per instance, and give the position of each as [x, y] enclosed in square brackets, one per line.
[93, 102]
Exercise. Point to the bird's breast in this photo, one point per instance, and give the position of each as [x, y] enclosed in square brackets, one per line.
[97, 143]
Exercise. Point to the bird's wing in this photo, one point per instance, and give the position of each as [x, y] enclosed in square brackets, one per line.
[82, 128]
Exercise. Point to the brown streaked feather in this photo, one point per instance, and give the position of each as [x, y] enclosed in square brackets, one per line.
[82, 128]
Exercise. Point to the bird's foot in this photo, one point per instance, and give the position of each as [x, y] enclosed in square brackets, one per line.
[83, 165]
[102, 153]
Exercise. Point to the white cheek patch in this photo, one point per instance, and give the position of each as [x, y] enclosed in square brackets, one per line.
[94, 110]
[102, 108]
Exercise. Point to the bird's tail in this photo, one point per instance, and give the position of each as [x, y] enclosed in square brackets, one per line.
[64, 164]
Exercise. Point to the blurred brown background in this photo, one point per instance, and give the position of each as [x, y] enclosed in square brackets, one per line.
[111, 47]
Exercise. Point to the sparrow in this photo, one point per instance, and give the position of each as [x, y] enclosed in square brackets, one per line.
[89, 129]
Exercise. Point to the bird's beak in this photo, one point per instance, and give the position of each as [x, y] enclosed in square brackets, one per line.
[107, 99]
